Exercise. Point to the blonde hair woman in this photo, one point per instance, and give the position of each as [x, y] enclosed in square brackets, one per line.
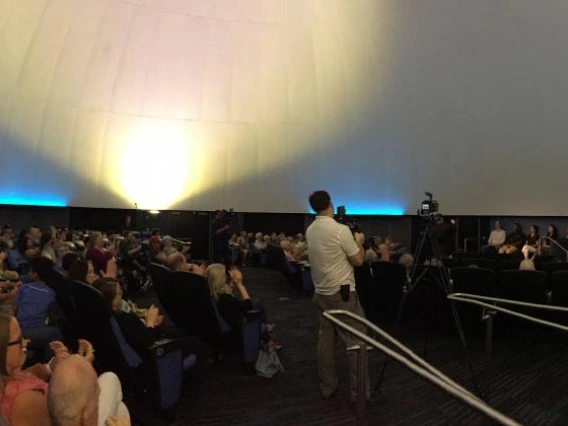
[232, 308]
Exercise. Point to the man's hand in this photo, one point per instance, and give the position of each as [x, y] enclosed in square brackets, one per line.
[359, 238]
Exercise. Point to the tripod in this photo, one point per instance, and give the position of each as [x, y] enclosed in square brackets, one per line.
[433, 269]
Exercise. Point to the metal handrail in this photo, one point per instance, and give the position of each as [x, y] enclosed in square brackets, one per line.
[474, 299]
[553, 241]
[417, 365]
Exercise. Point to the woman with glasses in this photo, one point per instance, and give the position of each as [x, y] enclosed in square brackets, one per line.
[23, 392]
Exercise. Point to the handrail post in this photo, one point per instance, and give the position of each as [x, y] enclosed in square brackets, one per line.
[488, 318]
[361, 383]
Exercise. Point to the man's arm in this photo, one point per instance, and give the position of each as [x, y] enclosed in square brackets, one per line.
[358, 258]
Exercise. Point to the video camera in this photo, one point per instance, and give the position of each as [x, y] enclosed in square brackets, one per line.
[341, 217]
[429, 207]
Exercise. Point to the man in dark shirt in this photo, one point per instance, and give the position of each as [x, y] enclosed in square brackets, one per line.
[515, 240]
[220, 227]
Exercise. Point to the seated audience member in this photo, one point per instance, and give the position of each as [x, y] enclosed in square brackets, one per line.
[33, 236]
[230, 307]
[496, 240]
[5, 274]
[288, 251]
[406, 260]
[552, 234]
[156, 253]
[244, 247]
[371, 255]
[34, 302]
[24, 400]
[46, 246]
[141, 333]
[527, 265]
[259, 243]
[178, 262]
[515, 240]
[6, 237]
[132, 257]
[300, 242]
[61, 249]
[76, 397]
[168, 249]
[68, 260]
[97, 254]
[532, 242]
[233, 241]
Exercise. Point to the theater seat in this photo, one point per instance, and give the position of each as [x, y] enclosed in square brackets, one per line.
[473, 281]
[191, 295]
[113, 353]
[526, 286]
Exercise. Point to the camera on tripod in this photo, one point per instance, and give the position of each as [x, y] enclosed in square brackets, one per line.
[429, 207]
[341, 217]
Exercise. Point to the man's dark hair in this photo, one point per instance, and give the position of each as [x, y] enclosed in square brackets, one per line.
[68, 260]
[319, 201]
[518, 225]
[42, 266]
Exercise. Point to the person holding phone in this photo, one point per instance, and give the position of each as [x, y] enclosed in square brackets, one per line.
[332, 252]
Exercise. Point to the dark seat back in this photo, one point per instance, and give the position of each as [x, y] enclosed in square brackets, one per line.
[526, 286]
[473, 281]
[484, 263]
[560, 288]
[160, 279]
[190, 295]
[95, 317]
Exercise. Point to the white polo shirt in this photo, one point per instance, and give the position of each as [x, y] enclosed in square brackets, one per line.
[329, 246]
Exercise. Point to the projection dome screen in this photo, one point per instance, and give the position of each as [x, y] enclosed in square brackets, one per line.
[253, 104]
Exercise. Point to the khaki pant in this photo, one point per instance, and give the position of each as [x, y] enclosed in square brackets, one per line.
[327, 339]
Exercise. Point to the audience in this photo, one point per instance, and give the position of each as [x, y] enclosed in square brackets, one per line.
[46, 246]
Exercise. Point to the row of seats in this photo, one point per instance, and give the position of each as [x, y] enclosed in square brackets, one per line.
[186, 299]
[85, 315]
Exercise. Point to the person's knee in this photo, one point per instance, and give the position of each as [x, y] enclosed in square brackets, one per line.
[110, 385]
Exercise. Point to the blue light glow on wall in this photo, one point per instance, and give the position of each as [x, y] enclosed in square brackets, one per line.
[33, 200]
[377, 211]
[360, 210]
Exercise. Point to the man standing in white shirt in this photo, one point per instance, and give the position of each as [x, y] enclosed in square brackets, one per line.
[332, 253]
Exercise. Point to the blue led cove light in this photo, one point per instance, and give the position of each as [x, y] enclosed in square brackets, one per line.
[32, 200]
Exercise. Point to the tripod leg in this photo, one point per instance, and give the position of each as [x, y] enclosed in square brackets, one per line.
[445, 283]
[406, 290]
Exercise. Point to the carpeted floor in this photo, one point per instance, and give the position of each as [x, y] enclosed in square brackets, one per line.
[528, 382]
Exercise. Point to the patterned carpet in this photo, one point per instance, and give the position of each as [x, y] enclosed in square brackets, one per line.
[528, 382]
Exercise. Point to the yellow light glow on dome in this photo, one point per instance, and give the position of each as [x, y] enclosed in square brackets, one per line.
[155, 165]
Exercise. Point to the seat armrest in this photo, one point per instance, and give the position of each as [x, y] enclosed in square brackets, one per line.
[252, 315]
[162, 346]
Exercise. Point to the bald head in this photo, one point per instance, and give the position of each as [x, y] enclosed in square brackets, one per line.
[176, 262]
[73, 393]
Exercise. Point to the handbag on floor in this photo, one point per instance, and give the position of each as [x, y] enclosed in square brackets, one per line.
[268, 363]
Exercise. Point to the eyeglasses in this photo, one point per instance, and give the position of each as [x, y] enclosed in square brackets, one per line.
[20, 342]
